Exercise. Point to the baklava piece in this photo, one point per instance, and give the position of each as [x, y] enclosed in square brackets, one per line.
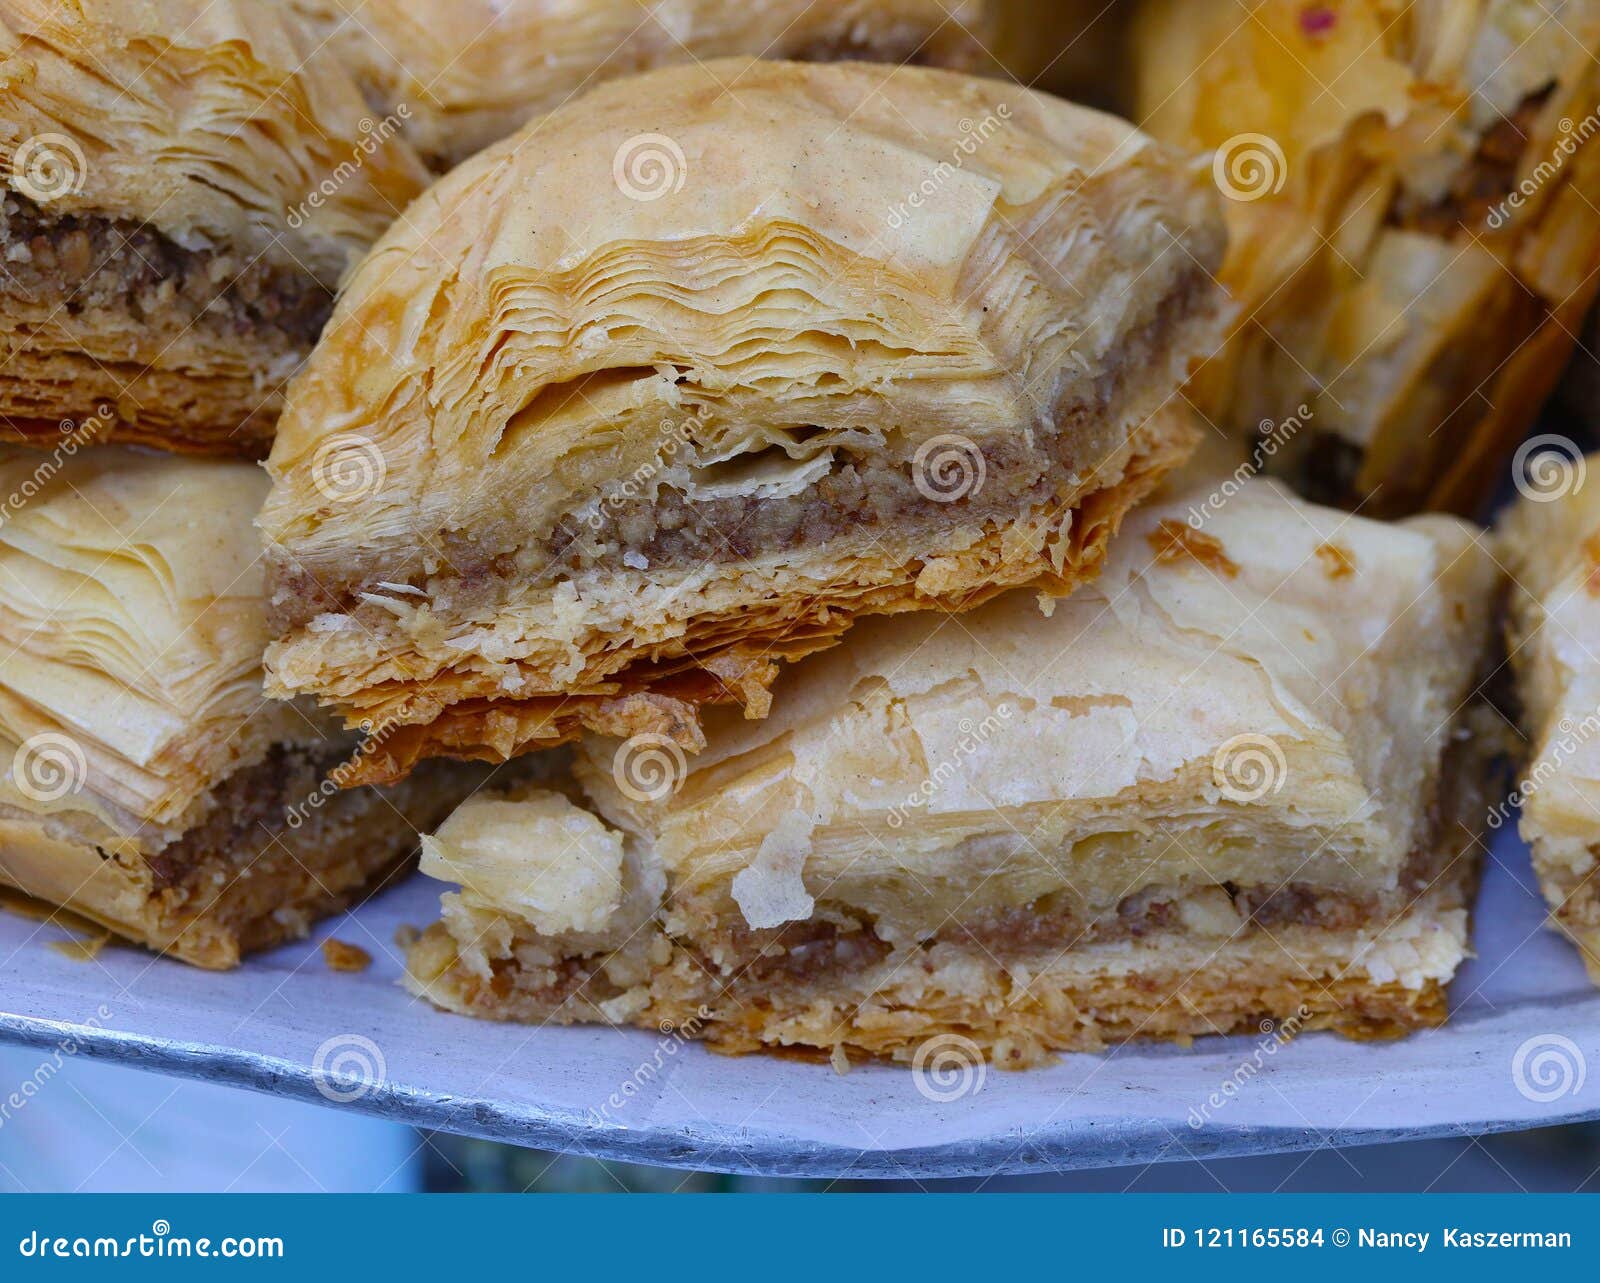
[1225, 783]
[147, 783]
[461, 74]
[1411, 200]
[185, 181]
[680, 382]
[1551, 545]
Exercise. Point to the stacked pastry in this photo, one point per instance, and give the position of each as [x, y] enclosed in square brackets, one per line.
[1551, 545]
[148, 784]
[1226, 781]
[186, 184]
[869, 341]
[1411, 200]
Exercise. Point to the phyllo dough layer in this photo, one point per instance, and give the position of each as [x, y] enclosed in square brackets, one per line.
[591, 442]
[148, 782]
[185, 183]
[1224, 782]
[1551, 545]
[1413, 237]
[465, 73]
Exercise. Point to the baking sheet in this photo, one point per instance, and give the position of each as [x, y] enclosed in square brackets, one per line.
[1522, 1050]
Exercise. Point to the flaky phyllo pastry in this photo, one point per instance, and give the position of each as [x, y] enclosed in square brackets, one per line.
[1222, 783]
[185, 183]
[1413, 230]
[1551, 545]
[462, 74]
[145, 781]
[681, 381]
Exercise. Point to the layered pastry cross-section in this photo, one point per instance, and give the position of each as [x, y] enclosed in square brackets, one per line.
[1226, 782]
[1550, 542]
[185, 182]
[679, 382]
[1411, 195]
[146, 782]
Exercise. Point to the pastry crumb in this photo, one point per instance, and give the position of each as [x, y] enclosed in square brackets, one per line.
[1337, 562]
[1173, 541]
[345, 957]
[839, 1060]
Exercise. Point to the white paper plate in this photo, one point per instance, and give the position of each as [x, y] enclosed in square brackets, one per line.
[1518, 1053]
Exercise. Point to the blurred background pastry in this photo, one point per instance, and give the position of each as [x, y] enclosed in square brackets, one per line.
[1413, 239]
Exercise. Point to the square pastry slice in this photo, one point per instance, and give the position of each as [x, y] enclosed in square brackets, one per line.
[184, 184]
[1550, 542]
[145, 781]
[1226, 782]
[690, 374]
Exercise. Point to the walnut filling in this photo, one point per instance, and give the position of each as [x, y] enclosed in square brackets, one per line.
[860, 500]
[89, 262]
[247, 876]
